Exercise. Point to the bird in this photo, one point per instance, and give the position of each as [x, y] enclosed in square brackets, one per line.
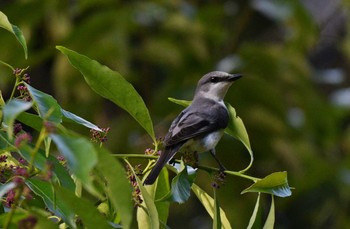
[200, 126]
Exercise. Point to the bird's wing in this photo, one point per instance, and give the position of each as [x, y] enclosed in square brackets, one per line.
[191, 124]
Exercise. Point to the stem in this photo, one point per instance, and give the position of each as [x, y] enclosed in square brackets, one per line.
[18, 80]
[238, 174]
[123, 156]
[203, 167]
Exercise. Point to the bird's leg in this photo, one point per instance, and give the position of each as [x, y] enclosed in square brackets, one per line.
[213, 153]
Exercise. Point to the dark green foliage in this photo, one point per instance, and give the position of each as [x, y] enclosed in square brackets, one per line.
[294, 58]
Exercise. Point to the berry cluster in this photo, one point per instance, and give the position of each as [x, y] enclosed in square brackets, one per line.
[136, 194]
[99, 136]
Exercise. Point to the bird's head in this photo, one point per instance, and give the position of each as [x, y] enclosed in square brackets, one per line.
[214, 85]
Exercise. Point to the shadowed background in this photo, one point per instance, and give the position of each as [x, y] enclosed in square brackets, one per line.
[294, 97]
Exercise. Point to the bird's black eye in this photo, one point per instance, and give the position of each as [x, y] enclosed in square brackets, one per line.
[214, 79]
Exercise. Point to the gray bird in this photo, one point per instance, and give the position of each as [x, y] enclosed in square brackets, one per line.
[200, 126]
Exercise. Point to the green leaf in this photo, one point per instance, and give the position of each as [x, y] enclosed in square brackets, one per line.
[180, 102]
[158, 190]
[11, 110]
[217, 218]
[47, 106]
[270, 221]
[5, 23]
[253, 217]
[5, 188]
[180, 186]
[162, 188]
[84, 208]
[46, 191]
[208, 203]
[31, 120]
[111, 85]
[275, 184]
[42, 218]
[147, 215]
[117, 183]
[81, 157]
[75, 118]
[16, 217]
[237, 130]
[60, 173]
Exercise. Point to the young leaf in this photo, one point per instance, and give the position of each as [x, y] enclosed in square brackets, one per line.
[111, 85]
[59, 208]
[118, 187]
[5, 23]
[237, 130]
[42, 220]
[275, 184]
[208, 203]
[180, 102]
[270, 221]
[84, 208]
[81, 157]
[162, 187]
[253, 217]
[75, 118]
[47, 106]
[147, 215]
[11, 110]
[159, 190]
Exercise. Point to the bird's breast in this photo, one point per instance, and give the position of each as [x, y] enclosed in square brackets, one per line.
[203, 143]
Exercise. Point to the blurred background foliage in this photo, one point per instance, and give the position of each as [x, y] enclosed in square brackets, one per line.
[294, 98]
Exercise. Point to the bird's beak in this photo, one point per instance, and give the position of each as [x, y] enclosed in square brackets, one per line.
[234, 77]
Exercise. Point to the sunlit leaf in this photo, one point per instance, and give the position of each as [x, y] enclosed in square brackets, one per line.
[237, 130]
[84, 208]
[10, 112]
[270, 221]
[47, 106]
[75, 118]
[117, 182]
[208, 203]
[111, 85]
[180, 102]
[42, 220]
[217, 218]
[157, 191]
[147, 215]
[5, 23]
[81, 157]
[275, 184]
[253, 217]
[45, 190]
[162, 187]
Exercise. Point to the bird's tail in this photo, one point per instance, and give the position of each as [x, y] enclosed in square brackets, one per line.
[166, 156]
